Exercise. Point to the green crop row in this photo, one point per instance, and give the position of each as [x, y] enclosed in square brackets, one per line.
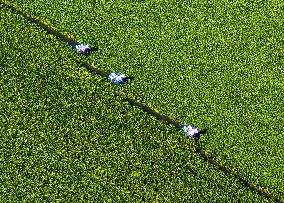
[65, 136]
[216, 65]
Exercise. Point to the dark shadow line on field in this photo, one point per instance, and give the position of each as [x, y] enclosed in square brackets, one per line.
[230, 172]
[45, 27]
[93, 70]
[99, 72]
[199, 151]
[151, 111]
[145, 108]
[63, 37]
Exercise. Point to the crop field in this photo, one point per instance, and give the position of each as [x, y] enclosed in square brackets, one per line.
[66, 136]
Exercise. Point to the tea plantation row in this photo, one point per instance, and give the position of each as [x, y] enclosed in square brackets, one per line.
[215, 65]
[66, 137]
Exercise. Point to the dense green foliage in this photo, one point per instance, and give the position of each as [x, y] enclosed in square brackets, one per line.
[66, 137]
[216, 65]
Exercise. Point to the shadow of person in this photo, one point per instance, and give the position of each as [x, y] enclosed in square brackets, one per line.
[202, 132]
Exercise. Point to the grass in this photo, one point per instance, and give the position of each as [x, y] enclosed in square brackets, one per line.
[217, 69]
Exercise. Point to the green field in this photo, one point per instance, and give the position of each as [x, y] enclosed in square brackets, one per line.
[66, 136]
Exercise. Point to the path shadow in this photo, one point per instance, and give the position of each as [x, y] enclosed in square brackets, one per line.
[231, 173]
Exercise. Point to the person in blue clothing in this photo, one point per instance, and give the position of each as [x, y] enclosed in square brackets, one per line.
[83, 49]
[190, 131]
[117, 78]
